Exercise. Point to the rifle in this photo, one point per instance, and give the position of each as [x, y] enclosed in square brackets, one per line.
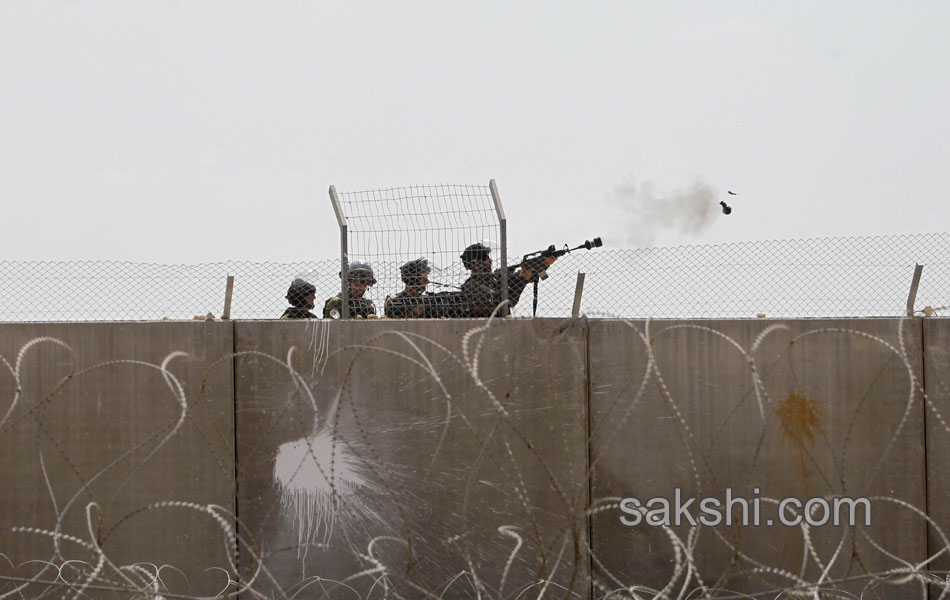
[535, 260]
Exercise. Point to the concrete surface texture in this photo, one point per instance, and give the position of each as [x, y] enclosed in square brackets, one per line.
[806, 409]
[456, 458]
[109, 461]
[432, 448]
[936, 342]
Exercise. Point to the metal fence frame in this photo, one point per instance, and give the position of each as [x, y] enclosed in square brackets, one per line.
[503, 228]
[342, 222]
[344, 254]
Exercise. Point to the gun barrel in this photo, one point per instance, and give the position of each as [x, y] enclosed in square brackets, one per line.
[552, 251]
[587, 245]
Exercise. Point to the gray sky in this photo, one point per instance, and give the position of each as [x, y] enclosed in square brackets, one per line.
[204, 131]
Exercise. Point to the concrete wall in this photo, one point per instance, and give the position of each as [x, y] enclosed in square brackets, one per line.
[92, 441]
[810, 409]
[456, 459]
[936, 334]
[432, 448]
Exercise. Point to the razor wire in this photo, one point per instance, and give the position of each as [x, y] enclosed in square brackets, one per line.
[824, 277]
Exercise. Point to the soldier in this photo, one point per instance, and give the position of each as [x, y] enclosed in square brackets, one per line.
[360, 277]
[481, 292]
[409, 303]
[301, 296]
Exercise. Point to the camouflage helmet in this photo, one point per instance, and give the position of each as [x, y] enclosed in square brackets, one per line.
[361, 271]
[414, 269]
[477, 251]
[298, 292]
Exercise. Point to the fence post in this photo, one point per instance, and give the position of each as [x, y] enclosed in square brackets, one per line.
[503, 232]
[226, 314]
[344, 259]
[578, 292]
[912, 296]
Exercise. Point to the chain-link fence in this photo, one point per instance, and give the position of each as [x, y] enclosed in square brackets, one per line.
[397, 237]
[833, 277]
[825, 277]
[392, 226]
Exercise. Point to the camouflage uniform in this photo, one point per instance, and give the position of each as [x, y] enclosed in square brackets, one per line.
[359, 307]
[404, 306]
[294, 312]
[416, 305]
[299, 296]
[481, 293]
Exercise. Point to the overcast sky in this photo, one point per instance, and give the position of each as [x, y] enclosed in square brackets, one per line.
[202, 131]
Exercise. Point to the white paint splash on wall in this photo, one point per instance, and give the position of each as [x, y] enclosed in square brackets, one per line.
[316, 475]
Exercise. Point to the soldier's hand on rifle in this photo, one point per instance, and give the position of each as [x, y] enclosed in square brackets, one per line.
[539, 262]
[534, 267]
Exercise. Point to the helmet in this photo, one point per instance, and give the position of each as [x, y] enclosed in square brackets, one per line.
[414, 269]
[298, 292]
[361, 271]
[477, 251]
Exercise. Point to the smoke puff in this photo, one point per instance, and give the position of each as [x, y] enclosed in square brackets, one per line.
[643, 210]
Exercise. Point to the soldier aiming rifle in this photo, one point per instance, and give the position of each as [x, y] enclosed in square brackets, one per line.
[482, 291]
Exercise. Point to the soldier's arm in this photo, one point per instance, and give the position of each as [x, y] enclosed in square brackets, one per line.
[331, 306]
[535, 266]
[390, 308]
[482, 296]
[419, 310]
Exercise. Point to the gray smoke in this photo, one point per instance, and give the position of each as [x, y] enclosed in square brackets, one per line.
[643, 210]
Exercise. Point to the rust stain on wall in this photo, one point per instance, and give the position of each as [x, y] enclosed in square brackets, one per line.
[799, 419]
